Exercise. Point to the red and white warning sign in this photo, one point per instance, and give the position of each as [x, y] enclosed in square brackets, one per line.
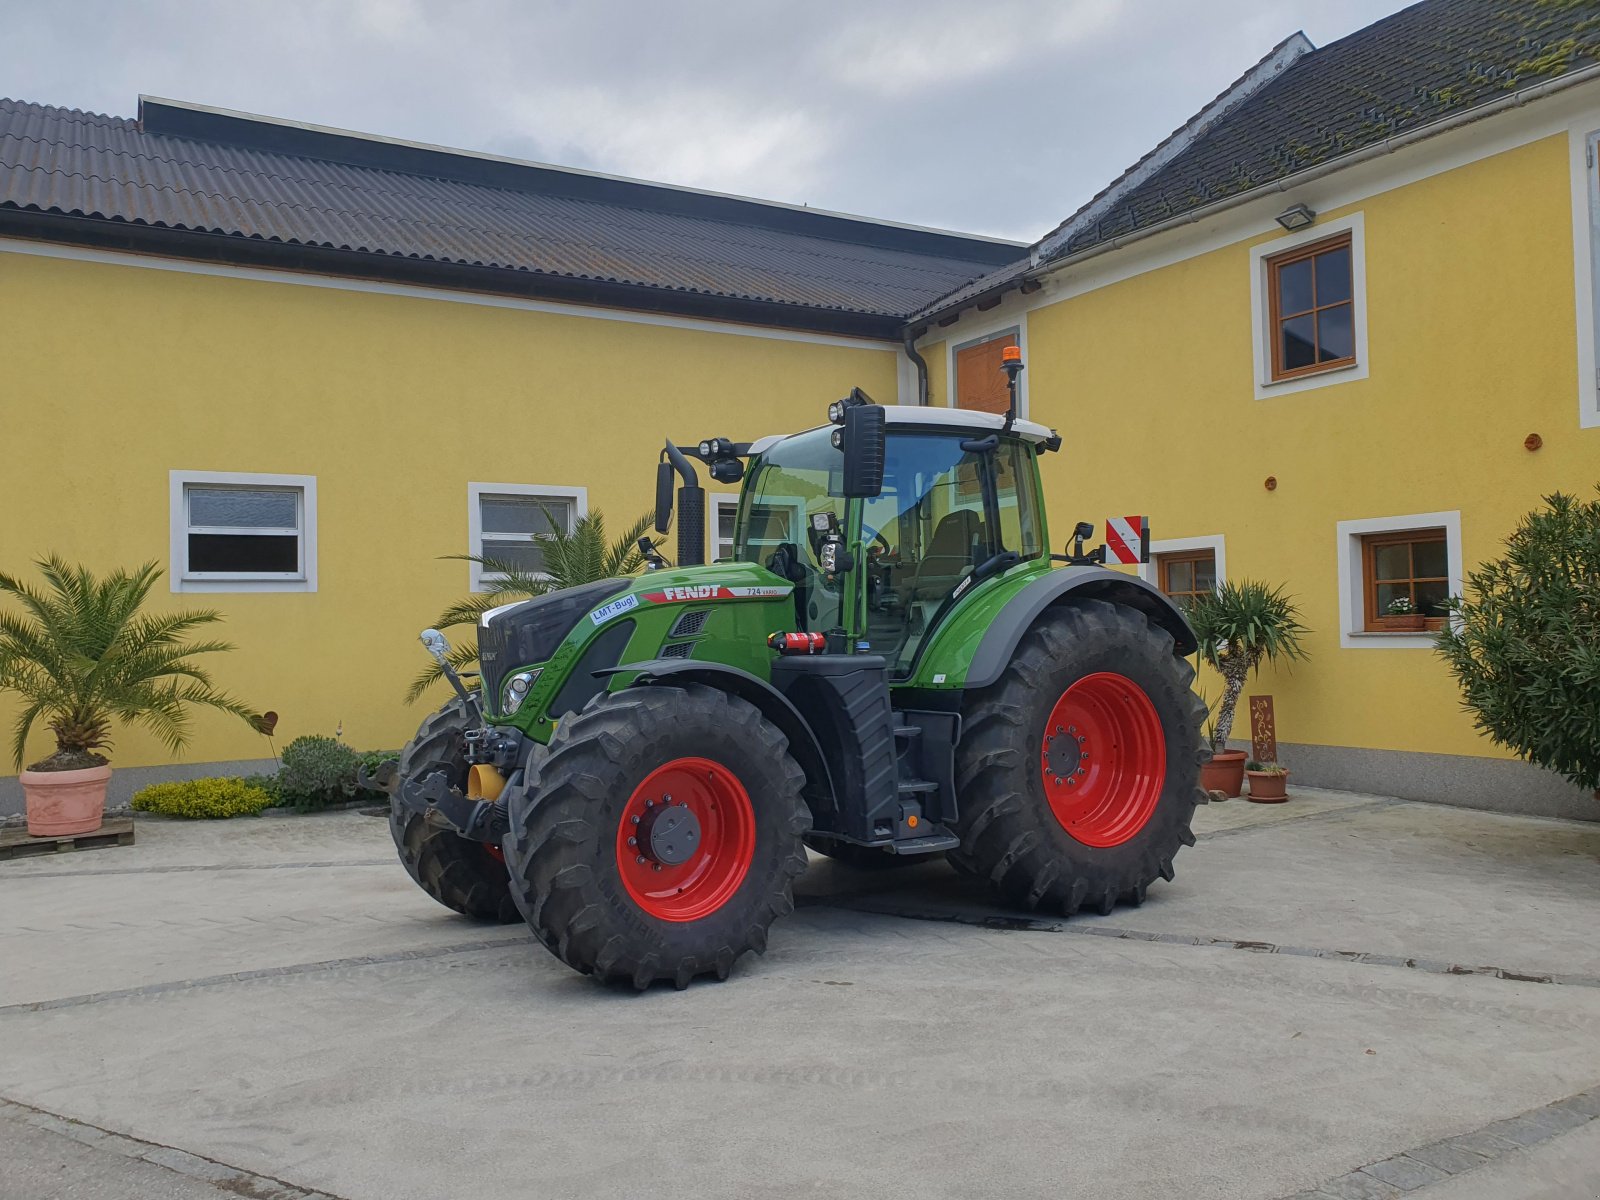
[1127, 539]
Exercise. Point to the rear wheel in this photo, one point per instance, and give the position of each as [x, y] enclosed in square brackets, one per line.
[660, 836]
[466, 876]
[1078, 770]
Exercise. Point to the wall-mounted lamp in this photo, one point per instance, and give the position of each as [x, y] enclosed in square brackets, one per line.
[1297, 217]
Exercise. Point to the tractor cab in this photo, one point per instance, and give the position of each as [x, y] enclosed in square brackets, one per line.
[959, 501]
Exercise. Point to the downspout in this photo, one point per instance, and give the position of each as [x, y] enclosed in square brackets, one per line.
[909, 345]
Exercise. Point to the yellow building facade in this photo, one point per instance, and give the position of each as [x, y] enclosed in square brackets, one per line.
[393, 404]
[1473, 300]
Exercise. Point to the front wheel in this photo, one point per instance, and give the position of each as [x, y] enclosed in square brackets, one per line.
[1078, 770]
[660, 837]
[463, 875]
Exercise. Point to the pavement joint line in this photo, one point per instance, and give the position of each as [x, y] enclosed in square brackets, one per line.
[1437, 1161]
[181, 1162]
[311, 968]
[1005, 923]
[185, 867]
[1327, 814]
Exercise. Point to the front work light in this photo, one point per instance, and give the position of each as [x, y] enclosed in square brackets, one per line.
[516, 691]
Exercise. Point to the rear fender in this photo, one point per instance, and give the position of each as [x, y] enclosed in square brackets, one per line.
[773, 705]
[999, 642]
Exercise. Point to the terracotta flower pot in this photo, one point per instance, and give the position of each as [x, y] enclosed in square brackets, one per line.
[65, 802]
[1269, 787]
[1224, 773]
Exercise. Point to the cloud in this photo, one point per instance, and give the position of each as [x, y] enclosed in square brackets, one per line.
[998, 118]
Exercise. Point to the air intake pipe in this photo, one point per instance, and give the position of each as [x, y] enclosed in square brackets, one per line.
[691, 506]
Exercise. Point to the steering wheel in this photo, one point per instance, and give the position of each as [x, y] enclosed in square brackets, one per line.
[877, 537]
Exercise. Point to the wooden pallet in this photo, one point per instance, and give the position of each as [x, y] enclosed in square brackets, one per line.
[16, 843]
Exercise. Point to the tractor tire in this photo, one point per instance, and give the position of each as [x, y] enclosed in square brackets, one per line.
[660, 836]
[1078, 770]
[861, 858]
[466, 876]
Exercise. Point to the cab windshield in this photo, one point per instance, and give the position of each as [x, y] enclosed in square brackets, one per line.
[796, 478]
[943, 514]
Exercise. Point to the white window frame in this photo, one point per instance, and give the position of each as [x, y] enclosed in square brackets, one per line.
[1584, 140]
[720, 501]
[1353, 583]
[1261, 321]
[184, 580]
[1016, 323]
[1150, 572]
[477, 577]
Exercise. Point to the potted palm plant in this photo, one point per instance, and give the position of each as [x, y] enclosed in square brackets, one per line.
[585, 555]
[1239, 626]
[81, 657]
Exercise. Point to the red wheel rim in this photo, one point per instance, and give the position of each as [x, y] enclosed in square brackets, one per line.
[720, 839]
[1104, 759]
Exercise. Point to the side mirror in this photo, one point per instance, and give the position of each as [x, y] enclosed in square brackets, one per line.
[863, 437]
[663, 496]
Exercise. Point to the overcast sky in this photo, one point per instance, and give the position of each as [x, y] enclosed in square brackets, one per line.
[983, 115]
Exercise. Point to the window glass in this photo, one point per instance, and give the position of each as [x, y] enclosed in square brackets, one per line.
[243, 507]
[1019, 516]
[1185, 574]
[242, 531]
[1410, 567]
[510, 523]
[723, 512]
[1313, 312]
[787, 485]
[924, 534]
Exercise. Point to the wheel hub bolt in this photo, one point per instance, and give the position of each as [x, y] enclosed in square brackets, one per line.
[633, 841]
[639, 859]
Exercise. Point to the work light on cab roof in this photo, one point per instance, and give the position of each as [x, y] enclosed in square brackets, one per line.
[887, 663]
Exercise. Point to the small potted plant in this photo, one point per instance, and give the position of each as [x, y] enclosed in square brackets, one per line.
[1268, 782]
[81, 656]
[1238, 627]
[1402, 614]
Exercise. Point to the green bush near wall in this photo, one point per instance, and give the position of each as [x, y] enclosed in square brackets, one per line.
[206, 799]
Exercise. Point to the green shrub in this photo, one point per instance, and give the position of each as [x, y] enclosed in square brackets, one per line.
[204, 798]
[1524, 642]
[268, 784]
[317, 771]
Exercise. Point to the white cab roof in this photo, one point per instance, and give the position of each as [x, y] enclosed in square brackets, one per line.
[901, 415]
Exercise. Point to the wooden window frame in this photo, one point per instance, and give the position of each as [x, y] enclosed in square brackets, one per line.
[1374, 620]
[1276, 318]
[1165, 561]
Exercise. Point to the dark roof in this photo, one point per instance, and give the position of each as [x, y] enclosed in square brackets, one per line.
[365, 201]
[1424, 63]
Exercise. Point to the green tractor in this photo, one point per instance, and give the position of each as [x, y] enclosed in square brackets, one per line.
[890, 666]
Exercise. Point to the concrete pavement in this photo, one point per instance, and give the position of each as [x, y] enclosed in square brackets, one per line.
[1329, 988]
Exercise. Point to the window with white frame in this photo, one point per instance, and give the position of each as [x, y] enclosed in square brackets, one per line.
[234, 531]
[1588, 231]
[1184, 568]
[724, 509]
[1309, 302]
[507, 520]
[1396, 576]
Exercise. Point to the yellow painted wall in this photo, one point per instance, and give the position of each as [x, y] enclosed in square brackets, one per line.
[115, 375]
[1471, 332]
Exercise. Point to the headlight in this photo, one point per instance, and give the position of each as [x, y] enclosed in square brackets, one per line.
[516, 691]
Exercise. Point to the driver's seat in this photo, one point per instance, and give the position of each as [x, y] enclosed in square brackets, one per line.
[951, 555]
